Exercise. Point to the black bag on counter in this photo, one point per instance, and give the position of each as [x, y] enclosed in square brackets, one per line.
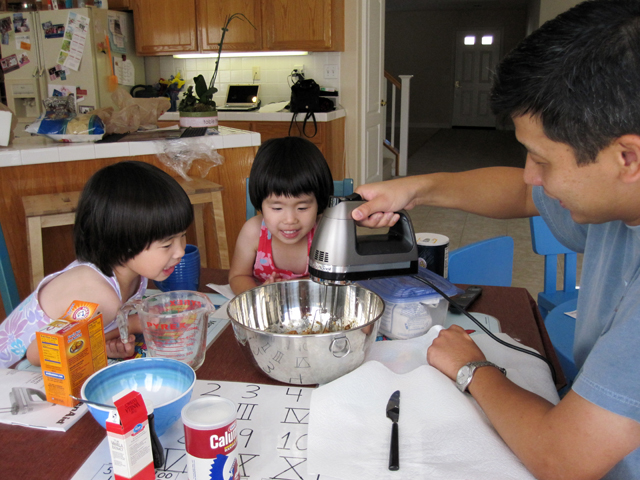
[305, 98]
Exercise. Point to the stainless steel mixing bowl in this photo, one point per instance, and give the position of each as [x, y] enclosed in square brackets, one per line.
[300, 332]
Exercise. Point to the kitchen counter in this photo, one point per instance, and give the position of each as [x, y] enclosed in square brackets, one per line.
[264, 114]
[32, 150]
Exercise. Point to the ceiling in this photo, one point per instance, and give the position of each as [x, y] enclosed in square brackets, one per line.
[453, 4]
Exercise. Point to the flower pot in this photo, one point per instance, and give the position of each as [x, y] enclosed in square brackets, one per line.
[199, 119]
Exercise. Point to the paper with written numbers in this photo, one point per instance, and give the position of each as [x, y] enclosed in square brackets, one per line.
[272, 434]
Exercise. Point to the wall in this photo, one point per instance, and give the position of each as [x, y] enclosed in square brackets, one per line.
[551, 8]
[274, 72]
[422, 43]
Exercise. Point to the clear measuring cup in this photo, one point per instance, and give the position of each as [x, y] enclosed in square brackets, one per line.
[174, 324]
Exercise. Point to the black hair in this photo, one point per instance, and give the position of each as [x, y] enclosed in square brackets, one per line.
[290, 166]
[123, 209]
[580, 74]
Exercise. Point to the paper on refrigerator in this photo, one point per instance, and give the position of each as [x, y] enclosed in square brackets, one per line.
[23, 402]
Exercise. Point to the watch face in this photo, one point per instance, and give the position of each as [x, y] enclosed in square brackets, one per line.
[463, 374]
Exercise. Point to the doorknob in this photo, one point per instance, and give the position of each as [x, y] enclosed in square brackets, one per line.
[457, 84]
[383, 103]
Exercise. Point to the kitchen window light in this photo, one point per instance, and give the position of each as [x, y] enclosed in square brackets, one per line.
[241, 54]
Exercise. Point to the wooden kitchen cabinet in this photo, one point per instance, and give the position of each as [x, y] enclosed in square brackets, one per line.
[241, 36]
[123, 5]
[163, 29]
[317, 25]
[329, 139]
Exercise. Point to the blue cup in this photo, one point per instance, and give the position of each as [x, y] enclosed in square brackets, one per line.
[186, 275]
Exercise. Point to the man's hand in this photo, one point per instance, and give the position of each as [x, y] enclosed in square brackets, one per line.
[384, 199]
[451, 350]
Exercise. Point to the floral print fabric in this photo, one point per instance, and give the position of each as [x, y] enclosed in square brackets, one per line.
[264, 265]
[19, 329]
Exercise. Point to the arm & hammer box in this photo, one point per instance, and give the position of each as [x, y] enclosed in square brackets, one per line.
[129, 439]
[71, 349]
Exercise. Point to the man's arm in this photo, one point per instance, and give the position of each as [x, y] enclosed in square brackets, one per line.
[575, 439]
[496, 192]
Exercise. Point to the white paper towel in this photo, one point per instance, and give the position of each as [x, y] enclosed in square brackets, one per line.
[443, 433]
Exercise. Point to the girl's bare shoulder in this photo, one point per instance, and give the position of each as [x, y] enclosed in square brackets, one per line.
[80, 283]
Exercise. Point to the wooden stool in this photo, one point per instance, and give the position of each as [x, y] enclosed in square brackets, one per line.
[56, 209]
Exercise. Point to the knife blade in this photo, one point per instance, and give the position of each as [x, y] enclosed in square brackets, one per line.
[393, 413]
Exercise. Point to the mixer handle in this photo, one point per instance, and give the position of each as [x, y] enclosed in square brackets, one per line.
[122, 318]
[333, 201]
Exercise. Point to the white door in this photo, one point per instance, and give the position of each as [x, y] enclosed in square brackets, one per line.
[477, 54]
[373, 90]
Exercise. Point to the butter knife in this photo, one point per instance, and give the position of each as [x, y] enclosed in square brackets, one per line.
[393, 413]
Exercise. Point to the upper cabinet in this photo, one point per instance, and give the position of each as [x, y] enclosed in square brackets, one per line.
[241, 36]
[313, 25]
[316, 25]
[163, 28]
[120, 4]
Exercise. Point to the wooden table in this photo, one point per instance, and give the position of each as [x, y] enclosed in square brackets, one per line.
[27, 453]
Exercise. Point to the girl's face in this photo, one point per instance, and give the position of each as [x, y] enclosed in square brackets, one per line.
[289, 219]
[158, 261]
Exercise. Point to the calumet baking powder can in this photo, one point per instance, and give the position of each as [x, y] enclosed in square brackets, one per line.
[210, 433]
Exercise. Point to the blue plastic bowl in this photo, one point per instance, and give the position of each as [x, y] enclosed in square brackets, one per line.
[167, 383]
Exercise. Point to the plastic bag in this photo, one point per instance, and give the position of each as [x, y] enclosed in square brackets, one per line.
[133, 113]
[60, 122]
[180, 154]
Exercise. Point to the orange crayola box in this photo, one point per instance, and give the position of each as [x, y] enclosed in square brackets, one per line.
[71, 349]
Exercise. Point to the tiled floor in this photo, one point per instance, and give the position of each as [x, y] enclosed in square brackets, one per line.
[464, 149]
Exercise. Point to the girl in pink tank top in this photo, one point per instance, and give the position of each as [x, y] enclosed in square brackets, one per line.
[290, 184]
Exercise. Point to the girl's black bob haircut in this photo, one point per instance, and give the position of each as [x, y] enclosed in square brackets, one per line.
[290, 166]
[123, 209]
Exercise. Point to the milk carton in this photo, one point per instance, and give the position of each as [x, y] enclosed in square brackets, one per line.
[71, 349]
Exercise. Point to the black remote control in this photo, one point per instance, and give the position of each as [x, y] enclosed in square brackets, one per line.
[465, 299]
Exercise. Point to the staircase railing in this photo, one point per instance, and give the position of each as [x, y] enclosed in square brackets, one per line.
[400, 149]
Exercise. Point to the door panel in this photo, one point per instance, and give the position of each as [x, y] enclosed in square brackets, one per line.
[374, 91]
[474, 69]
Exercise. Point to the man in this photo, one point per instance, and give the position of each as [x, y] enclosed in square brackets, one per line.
[572, 89]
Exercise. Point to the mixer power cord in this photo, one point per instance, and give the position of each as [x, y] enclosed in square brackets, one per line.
[485, 329]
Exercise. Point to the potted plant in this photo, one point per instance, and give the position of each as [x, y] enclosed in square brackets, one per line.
[199, 110]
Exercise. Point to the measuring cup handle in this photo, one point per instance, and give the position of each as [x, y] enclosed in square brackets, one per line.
[122, 318]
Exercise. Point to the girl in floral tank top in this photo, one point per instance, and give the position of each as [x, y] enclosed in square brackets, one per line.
[130, 226]
[290, 184]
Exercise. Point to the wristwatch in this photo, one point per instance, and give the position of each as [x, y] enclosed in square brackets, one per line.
[465, 374]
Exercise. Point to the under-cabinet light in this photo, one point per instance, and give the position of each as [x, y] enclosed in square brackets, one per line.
[241, 54]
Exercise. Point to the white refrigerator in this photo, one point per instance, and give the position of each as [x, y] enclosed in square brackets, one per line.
[61, 52]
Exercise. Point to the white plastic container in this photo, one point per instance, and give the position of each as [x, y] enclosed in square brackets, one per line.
[411, 306]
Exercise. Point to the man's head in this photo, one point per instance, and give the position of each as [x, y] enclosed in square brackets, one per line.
[580, 74]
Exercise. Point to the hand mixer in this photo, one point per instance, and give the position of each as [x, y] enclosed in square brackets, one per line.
[339, 256]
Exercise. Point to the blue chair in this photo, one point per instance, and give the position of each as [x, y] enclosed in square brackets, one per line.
[561, 330]
[487, 262]
[544, 243]
[8, 288]
[340, 189]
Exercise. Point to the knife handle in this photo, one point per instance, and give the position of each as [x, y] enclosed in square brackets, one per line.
[394, 456]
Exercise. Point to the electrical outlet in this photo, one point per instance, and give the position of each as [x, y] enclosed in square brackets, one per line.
[255, 73]
[299, 68]
[331, 71]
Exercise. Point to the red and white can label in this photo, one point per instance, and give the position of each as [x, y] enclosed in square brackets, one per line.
[209, 443]
[211, 450]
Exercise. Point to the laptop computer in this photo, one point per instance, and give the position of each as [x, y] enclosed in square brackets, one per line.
[241, 97]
